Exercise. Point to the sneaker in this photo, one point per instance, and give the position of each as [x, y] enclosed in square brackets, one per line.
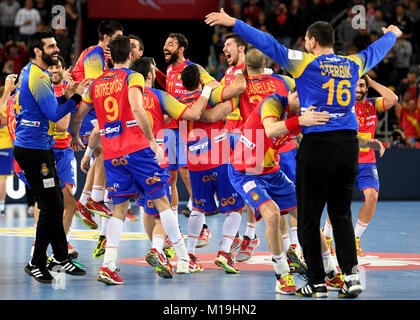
[85, 216]
[247, 249]
[182, 267]
[194, 266]
[330, 245]
[358, 247]
[313, 291]
[131, 216]
[169, 253]
[73, 253]
[285, 284]
[98, 208]
[351, 288]
[295, 264]
[224, 260]
[236, 243]
[160, 263]
[204, 238]
[67, 265]
[40, 274]
[109, 277]
[186, 212]
[99, 250]
[335, 282]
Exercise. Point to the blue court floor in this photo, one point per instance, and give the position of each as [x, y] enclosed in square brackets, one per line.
[389, 271]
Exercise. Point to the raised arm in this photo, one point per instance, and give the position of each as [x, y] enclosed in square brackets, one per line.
[389, 97]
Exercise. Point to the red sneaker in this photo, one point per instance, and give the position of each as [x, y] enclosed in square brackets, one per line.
[236, 243]
[247, 249]
[336, 282]
[98, 208]
[131, 216]
[194, 266]
[224, 260]
[285, 284]
[204, 238]
[85, 216]
[108, 276]
[73, 253]
[162, 265]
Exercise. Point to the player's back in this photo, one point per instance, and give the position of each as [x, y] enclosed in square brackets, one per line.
[90, 65]
[120, 133]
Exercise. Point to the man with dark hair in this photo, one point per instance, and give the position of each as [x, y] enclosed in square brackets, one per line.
[137, 45]
[131, 154]
[92, 62]
[36, 107]
[327, 157]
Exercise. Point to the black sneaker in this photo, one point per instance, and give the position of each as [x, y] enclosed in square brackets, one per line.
[313, 291]
[68, 266]
[351, 288]
[40, 274]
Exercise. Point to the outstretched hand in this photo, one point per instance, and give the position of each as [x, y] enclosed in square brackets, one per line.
[220, 18]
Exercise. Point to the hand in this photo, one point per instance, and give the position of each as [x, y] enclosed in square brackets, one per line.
[70, 88]
[220, 18]
[368, 80]
[393, 29]
[80, 90]
[76, 144]
[311, 118]
[107, 53]
[84, 163]
[9, 85]
[375, 144]
[67, 75]
[213, 84]
[159, 154]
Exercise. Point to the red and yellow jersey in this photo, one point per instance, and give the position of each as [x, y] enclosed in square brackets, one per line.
[62, 139]
[5, 139]
[257, 89]
[175, 87]
[410, 122]
[207, 143]
[367, 117]
[90, 65]
[108, 94]
[255, 153]
[157, 103]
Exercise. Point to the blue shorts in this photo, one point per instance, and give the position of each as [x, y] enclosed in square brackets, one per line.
[288, 164]
[135, 173]
[367, 176]
[175, 149]
[150, 209]
[22, 178]
[205, 184]
[258, 189]
[64, 160]
[6, 162]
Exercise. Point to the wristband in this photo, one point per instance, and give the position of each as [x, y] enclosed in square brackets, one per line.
[292, 124]
[76, 98]
[88, 152]
[206, 92]
[239, 71]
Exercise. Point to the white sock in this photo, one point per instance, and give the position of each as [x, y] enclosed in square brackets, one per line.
[110, 258]
[104, 224]
[360, 228]
[181, 250]
[97, 193]
[327, 230]
[114, 230]
[68, 235]
[294, 236]
[170, 226]
[157, 242]
[175, 212]
[230, 228]
[195, 224]
[2, 205]
[189, 204]
[85, 196]
[280, 264]
[286, 242]
[329, 262]
[250, 230]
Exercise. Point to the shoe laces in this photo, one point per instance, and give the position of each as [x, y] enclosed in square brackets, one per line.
[245, 244]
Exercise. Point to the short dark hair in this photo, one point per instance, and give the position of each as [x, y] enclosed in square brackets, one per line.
[182, 40]
[143, 66]
[61, 60]
[190, 77]
[141, 44]
[239, 41]
[120, 48]
[35, 41]
[323, 33]
[364, 78]
[108, 28]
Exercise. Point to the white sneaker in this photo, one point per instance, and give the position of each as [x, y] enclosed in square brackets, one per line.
[182, 266]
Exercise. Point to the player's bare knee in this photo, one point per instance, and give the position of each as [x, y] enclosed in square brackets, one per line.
[371, 195]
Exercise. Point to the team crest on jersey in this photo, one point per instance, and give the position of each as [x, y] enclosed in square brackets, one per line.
[44, 170]
[255, 196]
